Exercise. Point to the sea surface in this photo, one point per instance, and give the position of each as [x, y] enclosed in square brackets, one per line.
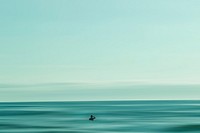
[111, 117]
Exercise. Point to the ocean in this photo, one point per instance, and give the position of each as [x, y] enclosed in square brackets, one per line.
[111, 117]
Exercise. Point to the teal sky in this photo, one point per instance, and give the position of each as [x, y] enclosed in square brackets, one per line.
[99, 41]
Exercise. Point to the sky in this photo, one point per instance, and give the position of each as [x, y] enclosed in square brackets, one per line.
[98, 42]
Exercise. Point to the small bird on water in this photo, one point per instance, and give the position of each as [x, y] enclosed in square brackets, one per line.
[92, 118]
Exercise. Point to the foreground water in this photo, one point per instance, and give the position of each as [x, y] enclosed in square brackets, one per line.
[112, 117]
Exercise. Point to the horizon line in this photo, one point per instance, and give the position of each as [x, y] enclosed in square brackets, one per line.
[108, 100]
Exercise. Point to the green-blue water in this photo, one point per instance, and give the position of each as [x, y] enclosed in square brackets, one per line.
[112, 117]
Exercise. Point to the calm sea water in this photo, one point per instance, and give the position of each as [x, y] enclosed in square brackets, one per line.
[112, 117]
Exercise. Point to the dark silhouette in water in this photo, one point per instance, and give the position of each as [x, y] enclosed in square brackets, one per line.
[92, 118]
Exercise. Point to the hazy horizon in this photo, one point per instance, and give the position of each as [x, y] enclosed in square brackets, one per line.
[96, 92]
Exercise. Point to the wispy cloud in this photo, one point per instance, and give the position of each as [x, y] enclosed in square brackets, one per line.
[13, 85]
